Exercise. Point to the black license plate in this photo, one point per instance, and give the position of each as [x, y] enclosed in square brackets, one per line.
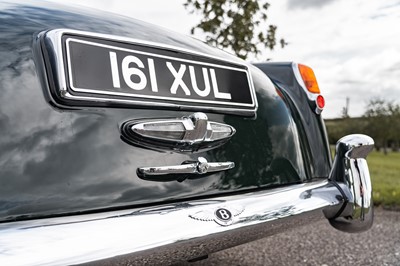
[106, 69]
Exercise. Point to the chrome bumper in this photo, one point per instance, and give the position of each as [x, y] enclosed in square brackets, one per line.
[169, 233]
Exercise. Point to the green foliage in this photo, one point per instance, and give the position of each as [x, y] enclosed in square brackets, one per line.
[236, 24]
[381, 121]
[338, 128]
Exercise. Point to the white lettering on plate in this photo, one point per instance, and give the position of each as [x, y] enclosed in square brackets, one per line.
[178, 82]
[207, 87]
[132, 66]
[153, 78]
[114, 70]
[221, 95]
[127, 72]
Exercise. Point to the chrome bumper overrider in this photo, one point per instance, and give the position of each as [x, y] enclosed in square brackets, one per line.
[187, 230]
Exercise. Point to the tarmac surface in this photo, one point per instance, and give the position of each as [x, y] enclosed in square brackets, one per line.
[319, 244]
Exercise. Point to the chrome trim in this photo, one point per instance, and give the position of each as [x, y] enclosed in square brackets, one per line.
[195, 129]
[163, 234]
[202, 166]
[311, 96]
[350, 170]
[191, 133]
[68, 95]
[73, 88]
[166, 234]
[198, 129]
[54, 36]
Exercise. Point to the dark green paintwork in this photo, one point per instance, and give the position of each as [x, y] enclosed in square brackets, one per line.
[55, 161]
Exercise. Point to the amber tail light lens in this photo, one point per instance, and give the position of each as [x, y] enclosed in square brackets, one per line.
[309, 78]
[311, 87]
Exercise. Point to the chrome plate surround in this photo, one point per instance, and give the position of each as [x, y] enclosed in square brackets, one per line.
[56, 50]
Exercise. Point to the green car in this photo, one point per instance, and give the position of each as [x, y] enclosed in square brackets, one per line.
[123, 141]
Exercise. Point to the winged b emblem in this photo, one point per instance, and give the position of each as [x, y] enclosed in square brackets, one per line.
[221, 215]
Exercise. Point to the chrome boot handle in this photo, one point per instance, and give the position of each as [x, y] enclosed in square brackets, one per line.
[201, 166]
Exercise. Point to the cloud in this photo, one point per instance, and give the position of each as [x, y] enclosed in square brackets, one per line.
[351, 45]
[296, 4]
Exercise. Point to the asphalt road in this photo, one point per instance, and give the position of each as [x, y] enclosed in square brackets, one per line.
[319, 244]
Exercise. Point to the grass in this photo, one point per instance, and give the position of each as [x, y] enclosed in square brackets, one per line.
[385, 175]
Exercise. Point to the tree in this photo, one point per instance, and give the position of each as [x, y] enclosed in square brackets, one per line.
[394, 113]
[236, 24]
[383, 122]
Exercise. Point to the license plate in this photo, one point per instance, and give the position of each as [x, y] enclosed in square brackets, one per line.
[102, 68]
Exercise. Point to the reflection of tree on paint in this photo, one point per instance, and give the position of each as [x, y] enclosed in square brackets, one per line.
[55, 160]
[265, 150]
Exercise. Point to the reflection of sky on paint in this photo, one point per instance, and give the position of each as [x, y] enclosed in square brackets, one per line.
[60, 160]
[51, 156]
[353, 46]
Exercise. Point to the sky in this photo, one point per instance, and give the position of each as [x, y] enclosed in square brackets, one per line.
[353, 46]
